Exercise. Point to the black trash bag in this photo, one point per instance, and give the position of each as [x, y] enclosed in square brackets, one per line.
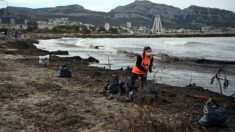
[149, 93]
[151, 88]
[214, 116]
[116, 86]
[65, 72]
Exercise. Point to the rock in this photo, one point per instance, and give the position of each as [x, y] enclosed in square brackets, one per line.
[165, 57]
[22, 44]
[91, 59]
[59, 52]
[111, 97]
[10, 51]
[76, 58]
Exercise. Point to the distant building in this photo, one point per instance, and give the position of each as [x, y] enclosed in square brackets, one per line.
[88, 26]
[21, 26]
[26, 21]
[53, 23]
[128, 25]
[123, 28]
[12, 21]
[75, 23]
[229, 29]
[44, 25]
[106, 26]
[181, 30]
[64, 19]
[206, 29]
[142, 29]
[59, 21]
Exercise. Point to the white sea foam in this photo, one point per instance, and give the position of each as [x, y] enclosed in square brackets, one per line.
[84, 43]
[176, 43]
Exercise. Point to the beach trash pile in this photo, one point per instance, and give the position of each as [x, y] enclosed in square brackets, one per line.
[214, 116]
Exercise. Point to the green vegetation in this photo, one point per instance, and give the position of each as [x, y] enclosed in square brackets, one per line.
[113, 30]
[32, 26]
[67, 29]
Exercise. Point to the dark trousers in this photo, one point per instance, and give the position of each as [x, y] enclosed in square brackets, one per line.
[134, 76]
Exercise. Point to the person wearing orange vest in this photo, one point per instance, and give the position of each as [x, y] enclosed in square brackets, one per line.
[143, 65]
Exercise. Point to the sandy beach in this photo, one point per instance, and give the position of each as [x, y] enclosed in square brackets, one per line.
[34, 98]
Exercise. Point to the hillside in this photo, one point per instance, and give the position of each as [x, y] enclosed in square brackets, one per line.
[138, 12]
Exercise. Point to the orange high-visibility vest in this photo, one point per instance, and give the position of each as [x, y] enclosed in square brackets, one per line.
[145, 63]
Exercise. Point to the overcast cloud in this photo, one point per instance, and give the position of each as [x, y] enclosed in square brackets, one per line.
[107, 5]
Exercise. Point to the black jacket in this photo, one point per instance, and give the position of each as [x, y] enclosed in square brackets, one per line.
[140, 66]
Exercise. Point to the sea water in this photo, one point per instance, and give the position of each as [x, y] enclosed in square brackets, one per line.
[120, 53]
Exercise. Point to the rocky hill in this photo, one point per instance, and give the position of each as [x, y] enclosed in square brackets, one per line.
[138, 12]
[142, 13]
[197, 16]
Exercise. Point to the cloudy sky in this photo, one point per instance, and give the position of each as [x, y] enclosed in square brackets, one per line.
[107, 5]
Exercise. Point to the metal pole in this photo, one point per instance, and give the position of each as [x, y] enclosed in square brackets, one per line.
[9, 26]
[7, 8]
[7, 12]
[7, 5]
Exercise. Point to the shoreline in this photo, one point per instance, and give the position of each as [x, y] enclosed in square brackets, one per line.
[74, 35]
[40, 101]
[33, 50]
[205, 67]
[86, 61]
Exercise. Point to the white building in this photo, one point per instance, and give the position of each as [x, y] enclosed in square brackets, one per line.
[88, 25]
[26, 21]
[106, 26]
[53, 23]
[142, 29]
[21, 26]
[181, 30]
[12, 21]
[206, 29]
[44, 25]
[59, 21]
[128, 25]
[64, 19]
[123, 28]
[75, 23]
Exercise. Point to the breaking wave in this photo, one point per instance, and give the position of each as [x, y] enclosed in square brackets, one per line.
[182, 43]
[172, 59]
[84, 43]
[162, 57]
[126, 53]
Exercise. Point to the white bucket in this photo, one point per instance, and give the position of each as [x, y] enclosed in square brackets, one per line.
[44, 60]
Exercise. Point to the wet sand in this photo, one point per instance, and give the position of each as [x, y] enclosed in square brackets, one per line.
[34, 98]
